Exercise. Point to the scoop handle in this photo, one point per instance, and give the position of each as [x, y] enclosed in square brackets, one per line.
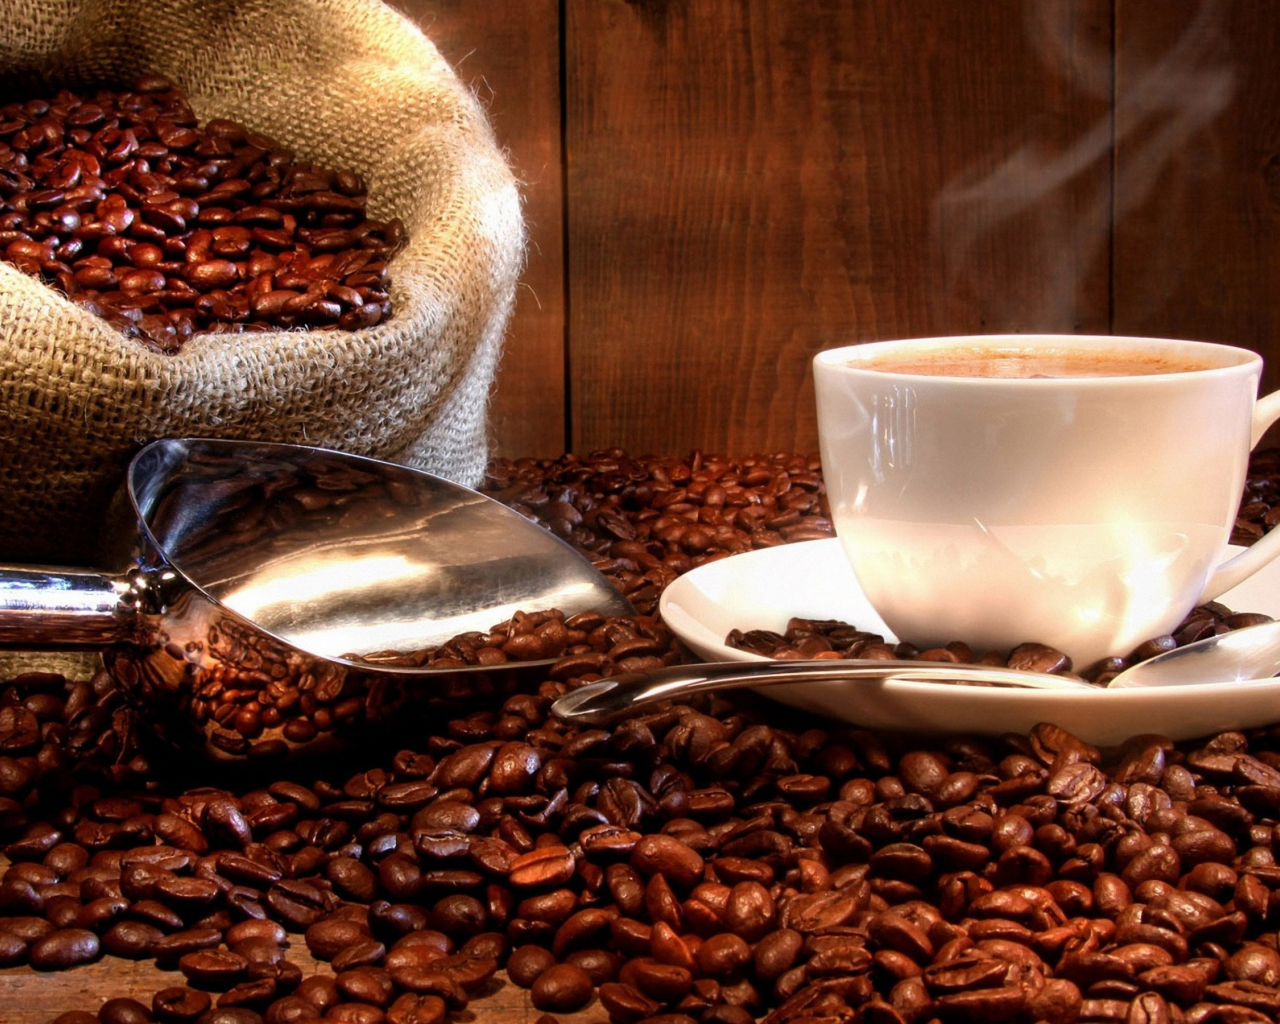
[44, 607]
[1236, 570]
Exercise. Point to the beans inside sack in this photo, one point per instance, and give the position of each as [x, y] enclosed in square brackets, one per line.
[166, 228]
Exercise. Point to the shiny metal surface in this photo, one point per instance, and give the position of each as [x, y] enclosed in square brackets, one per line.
[606, 699]
[338, 555]
[1241, 655]
[47, 607]
[252, 578]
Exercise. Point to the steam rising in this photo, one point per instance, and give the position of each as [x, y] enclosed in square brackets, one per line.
[1159, 112]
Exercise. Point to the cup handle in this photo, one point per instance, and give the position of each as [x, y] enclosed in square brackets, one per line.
[1236, 570]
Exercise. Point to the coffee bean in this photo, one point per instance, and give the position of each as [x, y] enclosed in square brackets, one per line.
[527, 963]
[267, 931]
[412, 1008]
[600, 965]
[320, 991]
[179, 1004]
[562, 988]
[67, 947]
[668, 857]
[626, 1004]
[366, 985]
[352, 879]
[542, 868]
[171, 948]
[776, 953]
[328, 937]
[123, 1010]
[212, 968]
[13, 949]
[131, 940]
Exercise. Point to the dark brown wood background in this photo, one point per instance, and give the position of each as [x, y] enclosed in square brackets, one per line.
[718, 189]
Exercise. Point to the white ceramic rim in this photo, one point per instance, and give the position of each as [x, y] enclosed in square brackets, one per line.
[1228, 359]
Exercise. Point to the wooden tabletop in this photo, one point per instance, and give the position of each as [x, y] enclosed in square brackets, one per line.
[28, 996]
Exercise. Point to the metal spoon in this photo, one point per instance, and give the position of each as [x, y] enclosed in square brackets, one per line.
[266, 575]
[1243, 654]
[605, 699]
[1251, 653]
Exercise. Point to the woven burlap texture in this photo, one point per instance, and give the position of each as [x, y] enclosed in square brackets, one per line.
[347, 84]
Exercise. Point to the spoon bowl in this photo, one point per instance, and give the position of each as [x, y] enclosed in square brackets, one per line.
[1250, 653]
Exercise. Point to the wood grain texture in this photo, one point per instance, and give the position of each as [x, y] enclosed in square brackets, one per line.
[747, 183]
[1198, 174]
[752, 182]
[508, 52]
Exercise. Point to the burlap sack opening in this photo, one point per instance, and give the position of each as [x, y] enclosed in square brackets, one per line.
[347, 84]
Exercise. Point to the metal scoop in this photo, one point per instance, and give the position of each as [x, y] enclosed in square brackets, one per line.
[250, 581]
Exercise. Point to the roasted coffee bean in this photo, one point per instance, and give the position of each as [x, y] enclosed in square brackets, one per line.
[67, 947]
[352, 879]
[413, 1008]
[266, 931]
[366, 985]
[627, 1004]
[545, 867]
[601, 965]
[666, 856]
[131, 940]
[562, 988]
[213, 968]
[320, 991]
[171, 948]
[327, 938]
[179, 1004]
[776, 953]
[527, 963]
[123, 1010]
[424, 943]
[13, 949]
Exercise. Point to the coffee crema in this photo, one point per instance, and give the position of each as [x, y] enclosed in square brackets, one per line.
[1028, 364]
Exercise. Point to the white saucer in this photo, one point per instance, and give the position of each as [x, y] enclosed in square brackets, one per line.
[763, 589]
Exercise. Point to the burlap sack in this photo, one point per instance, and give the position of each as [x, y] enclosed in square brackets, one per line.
[347, 84]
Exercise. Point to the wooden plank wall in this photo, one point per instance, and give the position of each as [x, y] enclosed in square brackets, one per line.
[718, 189]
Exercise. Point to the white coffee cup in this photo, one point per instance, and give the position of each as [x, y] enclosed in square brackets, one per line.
[1086, 512]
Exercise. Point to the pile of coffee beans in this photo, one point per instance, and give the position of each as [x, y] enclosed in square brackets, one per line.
[709, 864]
[644, 521]
[1260, 504]
[120, 200]
[822, 639]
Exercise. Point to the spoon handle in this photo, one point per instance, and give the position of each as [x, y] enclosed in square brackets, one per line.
[599, 702]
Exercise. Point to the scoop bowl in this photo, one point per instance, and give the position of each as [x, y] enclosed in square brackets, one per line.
[250, 584]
